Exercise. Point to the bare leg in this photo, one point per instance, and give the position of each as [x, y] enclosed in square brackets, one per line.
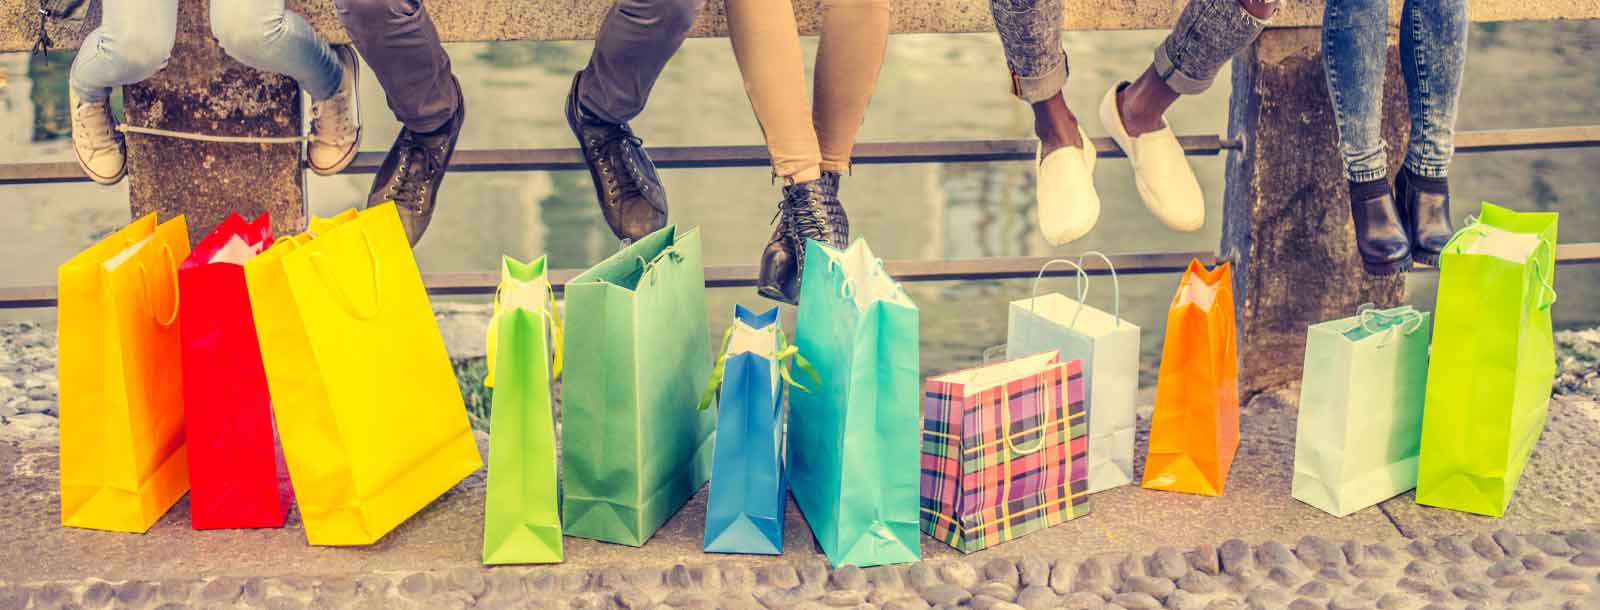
[1145, 100]
[1055, 124]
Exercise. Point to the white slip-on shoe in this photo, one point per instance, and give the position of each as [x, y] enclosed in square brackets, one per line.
[336, 121]
[101, 151]
[1068, 204]
[1160, 170]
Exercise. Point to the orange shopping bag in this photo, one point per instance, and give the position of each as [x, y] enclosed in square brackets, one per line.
[122, 444]
[1195, 428]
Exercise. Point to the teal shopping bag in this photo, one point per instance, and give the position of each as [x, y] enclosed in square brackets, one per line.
[854, 442]
[634, 447]
[744, 510]
[1108, 346]
[1360, 418]
[1493, 361]
[521, 516]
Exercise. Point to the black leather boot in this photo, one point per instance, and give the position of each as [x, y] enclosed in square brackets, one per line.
[802, 215]
[1425, 206]
[836, 215]
[1380, 234]
[625, 182]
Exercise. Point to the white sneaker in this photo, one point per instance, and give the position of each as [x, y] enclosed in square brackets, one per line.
[99, 146]
[1160, 170]
[336, 121]
[1068, 204]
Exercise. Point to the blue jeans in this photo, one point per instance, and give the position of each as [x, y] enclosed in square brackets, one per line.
[135, 39]
[1433, 50]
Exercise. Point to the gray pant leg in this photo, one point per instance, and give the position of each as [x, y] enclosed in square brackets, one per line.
[1207, 35]
[399, 42]
[633, 46]
[1030, 33]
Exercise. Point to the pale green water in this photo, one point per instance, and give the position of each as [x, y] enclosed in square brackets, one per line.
[933, 87]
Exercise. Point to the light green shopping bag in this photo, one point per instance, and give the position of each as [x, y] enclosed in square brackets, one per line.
[1360, 416]
[1493, 361]
[634, 445]
[521, 520]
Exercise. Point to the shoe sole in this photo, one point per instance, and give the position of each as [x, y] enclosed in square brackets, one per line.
[775, 294]
[98, 179]
[350, 156]
[1430, 259]
[1388, 268]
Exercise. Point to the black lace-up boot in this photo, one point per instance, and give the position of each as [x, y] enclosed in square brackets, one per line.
[802, 215]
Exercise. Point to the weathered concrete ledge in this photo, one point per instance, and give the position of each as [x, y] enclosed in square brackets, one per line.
[579, 19]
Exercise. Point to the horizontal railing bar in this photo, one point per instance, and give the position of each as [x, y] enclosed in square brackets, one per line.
[731, 276]
[1543, 138]
[678, 157]
[868, 153]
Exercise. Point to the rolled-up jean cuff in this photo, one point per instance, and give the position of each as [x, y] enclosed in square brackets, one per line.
[1366, 174]
[1175, 78]
[1207, 36]
[1035, 89]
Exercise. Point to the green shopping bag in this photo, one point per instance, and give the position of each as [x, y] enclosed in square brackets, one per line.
[634, 445]
[1493, 361]
[1360, 416]
[855, 442]
[521, 522]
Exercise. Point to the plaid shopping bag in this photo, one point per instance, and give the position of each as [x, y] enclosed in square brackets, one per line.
[1004, 451]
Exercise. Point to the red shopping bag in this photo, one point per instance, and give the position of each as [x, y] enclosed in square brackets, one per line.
[234, 464]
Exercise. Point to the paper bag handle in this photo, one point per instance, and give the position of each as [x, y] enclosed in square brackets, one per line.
[1082, 284]
[317, 260]
[1116, 289]
[172, 271]
[1005, 415]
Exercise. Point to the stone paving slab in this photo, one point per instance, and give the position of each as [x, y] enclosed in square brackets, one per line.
[1561, 486]
[1558, 492]
[1554, 569]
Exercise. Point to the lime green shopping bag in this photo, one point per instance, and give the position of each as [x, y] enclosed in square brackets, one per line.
[521, 518]
[634, 445]
[1493, 361]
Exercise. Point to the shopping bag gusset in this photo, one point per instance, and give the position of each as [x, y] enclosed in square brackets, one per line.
[522, 517]
[123, 460]
[1360, 416]
[852, 441]
[749, 488]
[237, 477]
[1194, 430]
[1493, 360]
[634, 447]
[1107, 345]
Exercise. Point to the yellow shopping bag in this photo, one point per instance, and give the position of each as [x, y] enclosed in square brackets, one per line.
[368, 411]
[122, 445]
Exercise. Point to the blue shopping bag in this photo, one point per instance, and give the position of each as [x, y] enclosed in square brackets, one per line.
[744, 513]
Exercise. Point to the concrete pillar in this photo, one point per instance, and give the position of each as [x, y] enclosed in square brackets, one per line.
[202, 90]
[1287, 222]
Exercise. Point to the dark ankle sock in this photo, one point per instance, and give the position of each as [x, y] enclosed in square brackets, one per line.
[1362, 191]
[1425, 183]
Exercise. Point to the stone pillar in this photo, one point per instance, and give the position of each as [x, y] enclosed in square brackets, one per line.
[202, 90]
[1286, 224]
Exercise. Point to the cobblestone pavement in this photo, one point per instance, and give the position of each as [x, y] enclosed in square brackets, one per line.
[1543, 570]
[1254, 547]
